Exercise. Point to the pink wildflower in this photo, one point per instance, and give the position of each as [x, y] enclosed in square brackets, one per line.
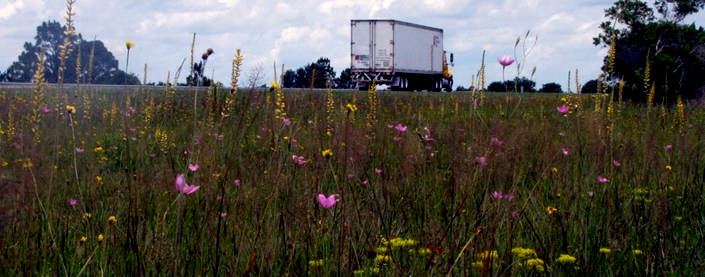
[602, 179]
[327, 202]
[193, 167]
[400, 128]
[505, 61]
[497, 195]
[299, 160]
[73, 202]
[481, 160]
[496, 141]
[562, 109]
[616, 163]
[183, 187]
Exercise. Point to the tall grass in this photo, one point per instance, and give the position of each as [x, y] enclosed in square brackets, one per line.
[416, 202]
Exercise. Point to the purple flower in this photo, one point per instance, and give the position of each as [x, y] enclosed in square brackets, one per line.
[481, 160]
[223, 214]
[505, 61]
[616, 163]
[73, 202]
[564, 151]
[78, 150]
[590, 193]
[378, 170]
[193, 167]
[45, 109]
[400, 128]
[327, 202]
[496, 141]
[287, 122]
[514, 214]
[669, 147]
[237, 182]
[602, 179]
[183, 187]
[497, 195]
[299, 160]
[562, 109]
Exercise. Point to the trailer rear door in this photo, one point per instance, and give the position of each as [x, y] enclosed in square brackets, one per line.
[361, 45]
[383, 54]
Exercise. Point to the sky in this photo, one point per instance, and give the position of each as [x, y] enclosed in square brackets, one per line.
[298, 32]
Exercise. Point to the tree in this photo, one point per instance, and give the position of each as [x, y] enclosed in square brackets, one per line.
[523, 85]
[345, 80]
[674, 53]
[589, 87]
[291, 79]
[50, 36]
[551, 88]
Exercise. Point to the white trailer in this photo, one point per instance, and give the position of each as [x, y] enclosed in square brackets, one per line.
[403, 55]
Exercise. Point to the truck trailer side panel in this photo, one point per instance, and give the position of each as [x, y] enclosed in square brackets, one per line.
[418, 49]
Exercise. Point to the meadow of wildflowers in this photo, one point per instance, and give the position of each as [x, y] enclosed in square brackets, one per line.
[127, 183]
[252, 182]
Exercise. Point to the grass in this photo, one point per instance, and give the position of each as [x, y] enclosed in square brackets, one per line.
[417, 202]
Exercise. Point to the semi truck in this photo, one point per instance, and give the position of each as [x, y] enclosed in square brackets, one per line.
[401, 55]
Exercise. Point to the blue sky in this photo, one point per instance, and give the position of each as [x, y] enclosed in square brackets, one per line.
[297, 32]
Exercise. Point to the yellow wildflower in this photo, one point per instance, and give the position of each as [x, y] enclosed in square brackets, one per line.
[424, 251]
[637, 252]
[382, 259]
[485, 255]
[351, 107]
[551, 209]
[70, 109]
[605, 250]
[98, 149]
[565, 259]
[100, 238]
[555, 170]
[83, 239]
[315, 263]
[129, 44]
[523, 253]
[668, 167]
[112, 219]
[87, 216]
[478, 265]
[327, 153]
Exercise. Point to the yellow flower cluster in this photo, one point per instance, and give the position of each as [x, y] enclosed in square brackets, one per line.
[382, 259]
[398, 242]
[327, 153]
[370, 271]
[351, 107]
[640, 194]
[534, 264]
[523, 253]
[316, 263]
[566, 259]
[605, 250]
[486, 255]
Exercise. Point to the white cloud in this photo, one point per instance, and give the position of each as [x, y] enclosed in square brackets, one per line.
[10, 9]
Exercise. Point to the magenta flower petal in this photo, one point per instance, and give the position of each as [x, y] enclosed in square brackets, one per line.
[616, 163]
[73, 202]
[562, 109]
[327, 202]
[481, 160]
[180, 182]
[497, 195]
[602, 179]
[505, 61]
[193, 167]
